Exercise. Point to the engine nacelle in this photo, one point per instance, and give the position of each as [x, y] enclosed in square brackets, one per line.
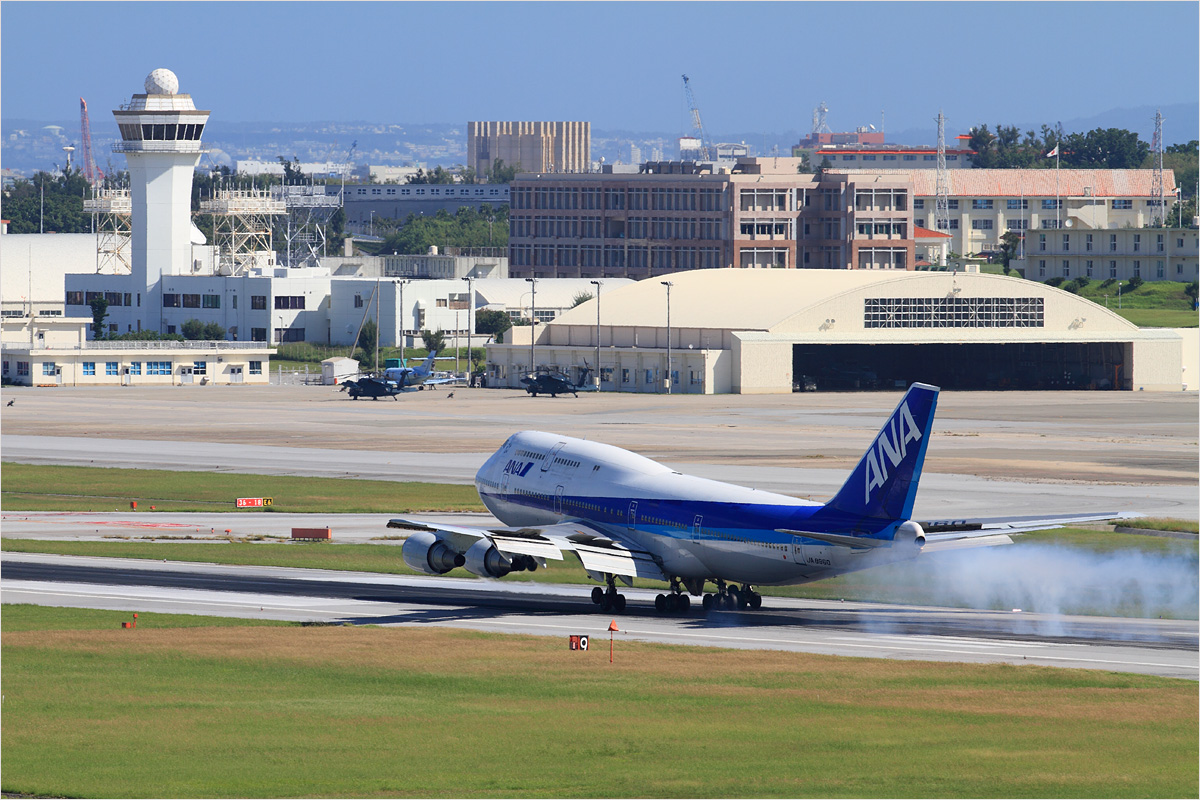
[425, 552]
[484, 560]
[909, 534]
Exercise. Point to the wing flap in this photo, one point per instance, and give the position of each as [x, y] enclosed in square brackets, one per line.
[538, 548]
[618, 561]
[963, 543]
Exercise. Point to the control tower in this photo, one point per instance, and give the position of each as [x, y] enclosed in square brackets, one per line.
[160, 137]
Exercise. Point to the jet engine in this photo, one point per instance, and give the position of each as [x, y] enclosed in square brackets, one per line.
[909, 534]
[427, 553]
[484, 560]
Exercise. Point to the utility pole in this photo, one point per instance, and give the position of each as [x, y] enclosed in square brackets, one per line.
[532, 322]
[403, 361]
[668, 284]
[597, 284]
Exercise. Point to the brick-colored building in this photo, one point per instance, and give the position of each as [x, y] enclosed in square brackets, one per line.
[676, 216]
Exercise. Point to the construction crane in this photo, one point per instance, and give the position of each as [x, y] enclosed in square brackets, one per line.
[91, 172]
[697, 125]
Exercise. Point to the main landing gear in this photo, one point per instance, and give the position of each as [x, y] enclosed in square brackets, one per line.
[675, 602]
[732, 598]
[610, 600]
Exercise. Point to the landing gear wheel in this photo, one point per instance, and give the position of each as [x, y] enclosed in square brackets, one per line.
[735, 598]
[597, 595]
[660, 604]
[708, 602]
[727, 602]
[619, 604]
[685, 603]
[755, 601]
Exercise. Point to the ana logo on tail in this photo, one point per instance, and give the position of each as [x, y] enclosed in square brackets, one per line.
[894, 448]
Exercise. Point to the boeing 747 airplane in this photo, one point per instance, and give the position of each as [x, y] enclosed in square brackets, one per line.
[624, 516]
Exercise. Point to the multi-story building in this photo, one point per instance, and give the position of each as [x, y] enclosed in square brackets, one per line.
[886, 156]
[534, 146]
[985, 203]
[1152, 254]
[680, 216]
[367, 204]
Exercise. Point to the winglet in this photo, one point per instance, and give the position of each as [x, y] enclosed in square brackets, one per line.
[884, 484]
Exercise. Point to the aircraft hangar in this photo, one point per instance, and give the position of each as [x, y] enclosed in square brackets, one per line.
[772, 331]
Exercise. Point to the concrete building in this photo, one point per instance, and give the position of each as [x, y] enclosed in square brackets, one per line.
[35, 266]
[56, 351]
[533, 146]
[1152, 254]
[761, 331]
[314, 169]
[453, 264]
[984, 203]
[408, 307]
[368, 204]
[885, 156]
[678, 216]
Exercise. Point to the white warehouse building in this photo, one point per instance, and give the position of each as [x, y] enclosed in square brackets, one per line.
[769, 331]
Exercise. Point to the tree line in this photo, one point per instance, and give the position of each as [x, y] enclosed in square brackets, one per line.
[486, 226]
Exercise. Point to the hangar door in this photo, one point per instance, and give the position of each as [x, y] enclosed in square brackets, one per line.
[1046, 365]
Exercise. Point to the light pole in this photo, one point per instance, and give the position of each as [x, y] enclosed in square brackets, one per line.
[378, 322]
[668, 284]
[597, 284]
[401, 283]
[279, 335]
[470, 315]
[372, 223]
[1118, 294]
[532, 322]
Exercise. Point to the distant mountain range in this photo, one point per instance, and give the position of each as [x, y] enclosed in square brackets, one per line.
[31, 145]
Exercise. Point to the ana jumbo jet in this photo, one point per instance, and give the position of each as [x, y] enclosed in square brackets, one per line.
[626, 516]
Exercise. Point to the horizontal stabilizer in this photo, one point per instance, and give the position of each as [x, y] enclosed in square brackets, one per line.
[942, 545]
[841, 540]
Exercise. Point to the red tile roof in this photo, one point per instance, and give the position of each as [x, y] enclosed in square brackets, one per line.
[926, 233]
[1030, 182]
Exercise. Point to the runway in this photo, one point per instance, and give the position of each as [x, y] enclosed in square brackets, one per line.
[942, 496]
[1157, 647]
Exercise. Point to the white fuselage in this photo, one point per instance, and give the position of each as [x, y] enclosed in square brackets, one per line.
[697, 528]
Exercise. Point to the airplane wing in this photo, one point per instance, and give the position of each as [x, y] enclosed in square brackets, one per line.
[439, 381]
[599, 552]
[960, 534]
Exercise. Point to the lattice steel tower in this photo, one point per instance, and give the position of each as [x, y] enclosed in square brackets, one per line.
[1157, 191]
[941, 212]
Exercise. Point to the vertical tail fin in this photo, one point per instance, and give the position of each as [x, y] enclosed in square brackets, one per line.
[884, 484]
[426, 366]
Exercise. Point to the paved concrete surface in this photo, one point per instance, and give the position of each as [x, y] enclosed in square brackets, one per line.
[1156, 647]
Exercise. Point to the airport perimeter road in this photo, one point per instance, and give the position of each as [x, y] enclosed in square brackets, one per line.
[1156, 647]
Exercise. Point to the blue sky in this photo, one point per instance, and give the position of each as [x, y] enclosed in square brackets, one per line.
[753, 66]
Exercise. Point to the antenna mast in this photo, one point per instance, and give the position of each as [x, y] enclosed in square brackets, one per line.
[1159, 212]
[942, 207]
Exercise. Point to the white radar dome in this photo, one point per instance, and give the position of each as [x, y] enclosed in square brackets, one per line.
[162, 81]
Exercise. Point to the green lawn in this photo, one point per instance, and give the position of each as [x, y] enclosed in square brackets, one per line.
[1160, 317]
[283, 711]
[28, 487]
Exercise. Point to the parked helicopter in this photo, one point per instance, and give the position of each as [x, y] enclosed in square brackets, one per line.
[372, 387]
[555, 383]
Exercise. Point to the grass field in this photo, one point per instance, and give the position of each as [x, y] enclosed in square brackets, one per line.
[29, 487]
[1098, 566]
[172, 711]
[1159, 317]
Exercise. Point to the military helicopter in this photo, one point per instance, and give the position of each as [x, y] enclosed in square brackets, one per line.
[371, 387]
[555, 383]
